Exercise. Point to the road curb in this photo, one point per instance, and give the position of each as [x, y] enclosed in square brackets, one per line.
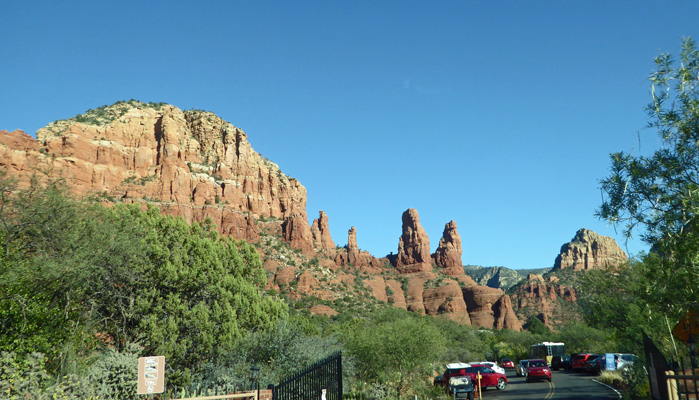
[604, 384]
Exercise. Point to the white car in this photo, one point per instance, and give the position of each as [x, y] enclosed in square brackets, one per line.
[494, 366]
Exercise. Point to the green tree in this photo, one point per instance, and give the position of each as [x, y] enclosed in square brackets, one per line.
[658, 195]
[394, 348]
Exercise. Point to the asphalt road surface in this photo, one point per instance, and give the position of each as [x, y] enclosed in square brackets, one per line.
[564, 386]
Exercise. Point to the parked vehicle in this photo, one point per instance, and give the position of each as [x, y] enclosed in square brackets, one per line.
[489, 377]
[538, 369]
[453, 370]
[492, 365]
[521, 369]
[508, 364]
[461, 388]
[624, 361]
[596, 365]
[579, 360]
[558, 362]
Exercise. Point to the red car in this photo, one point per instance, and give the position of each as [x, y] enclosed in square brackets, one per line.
[538, 369]
[507, 363]
[579, 360]
[489, 378]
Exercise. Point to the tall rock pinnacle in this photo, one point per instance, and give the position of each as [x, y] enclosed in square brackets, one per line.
[321, 233]
[414, 245]
[448, 254]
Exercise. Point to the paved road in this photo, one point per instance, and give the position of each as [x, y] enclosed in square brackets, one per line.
[564, 386]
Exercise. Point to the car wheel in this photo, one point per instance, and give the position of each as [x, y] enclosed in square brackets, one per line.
[470, 396]
[501, 383]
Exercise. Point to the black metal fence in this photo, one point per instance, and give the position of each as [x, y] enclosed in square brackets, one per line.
[683, 377]
[309, 384]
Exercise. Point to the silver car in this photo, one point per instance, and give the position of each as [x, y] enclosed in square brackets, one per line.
[521, 368]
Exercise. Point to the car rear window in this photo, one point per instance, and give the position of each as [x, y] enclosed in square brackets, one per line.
[537, 364]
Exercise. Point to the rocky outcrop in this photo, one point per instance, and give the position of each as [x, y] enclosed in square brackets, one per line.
[544, 297]
[296, 231]
[189, 163]
[500, 277]
[363, 260]
[321, 233]
[448, 301]
[448, 254]
[413, 246]
[589, 250]
[490, 307]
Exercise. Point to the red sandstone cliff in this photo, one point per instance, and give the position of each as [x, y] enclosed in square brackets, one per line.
[189, 163]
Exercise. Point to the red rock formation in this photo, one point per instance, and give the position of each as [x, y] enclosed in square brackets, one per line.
[589, 250]
[296, 231]
[191, 164]
[414, 246]
[542, 297]
[448, 254]
[321, 233]
[447, 300]
[357, 258]
[489, 307]
[352, 248]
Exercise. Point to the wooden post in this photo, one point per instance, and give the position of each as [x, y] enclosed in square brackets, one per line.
[479, 384]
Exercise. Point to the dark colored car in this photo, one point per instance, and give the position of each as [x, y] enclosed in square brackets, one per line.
[558, 362]
[507, 363]
[461, 388]
[489, 378]
[538, 369]
[596, 365]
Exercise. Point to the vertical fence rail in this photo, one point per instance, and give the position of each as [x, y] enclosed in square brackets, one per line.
[310, 382]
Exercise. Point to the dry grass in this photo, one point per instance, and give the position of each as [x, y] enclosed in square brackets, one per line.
[613, 378]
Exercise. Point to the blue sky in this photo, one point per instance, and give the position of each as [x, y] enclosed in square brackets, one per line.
[499, 115]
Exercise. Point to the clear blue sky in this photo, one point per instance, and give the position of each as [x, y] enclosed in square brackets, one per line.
[499, 115]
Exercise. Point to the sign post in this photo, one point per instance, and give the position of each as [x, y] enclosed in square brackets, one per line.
[151, 375]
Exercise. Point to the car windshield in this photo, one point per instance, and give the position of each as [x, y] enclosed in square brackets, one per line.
[524, 363]
[537, 364]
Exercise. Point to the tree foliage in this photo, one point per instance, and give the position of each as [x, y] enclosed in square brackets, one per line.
[394, 348]
[657, 195]
[75, 276]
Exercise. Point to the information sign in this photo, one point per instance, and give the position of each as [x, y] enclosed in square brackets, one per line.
[611, 363]
[151, 375]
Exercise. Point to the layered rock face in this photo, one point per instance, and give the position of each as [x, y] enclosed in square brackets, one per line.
[448, 254]
[414, 245]
[189, 163]
[544, 298]
[491, 307]
[589, 250]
